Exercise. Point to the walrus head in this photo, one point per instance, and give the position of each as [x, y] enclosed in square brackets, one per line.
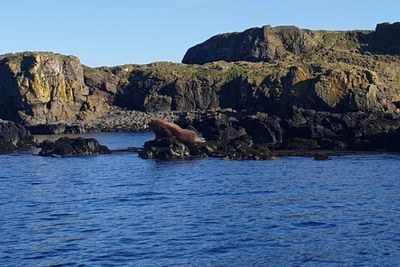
[146, 123]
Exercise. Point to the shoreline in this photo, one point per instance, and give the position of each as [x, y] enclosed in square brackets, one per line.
[242, 135]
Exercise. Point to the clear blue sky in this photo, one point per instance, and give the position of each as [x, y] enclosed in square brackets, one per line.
[113, 32]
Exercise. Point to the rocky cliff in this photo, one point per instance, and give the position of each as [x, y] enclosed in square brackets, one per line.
[271, 44]
[272, 69]
[268, 69]
[45, 88]
[41, 87]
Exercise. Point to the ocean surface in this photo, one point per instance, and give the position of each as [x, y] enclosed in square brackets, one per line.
[120, 210]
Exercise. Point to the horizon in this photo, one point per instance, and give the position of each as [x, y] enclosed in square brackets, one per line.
[123, 32]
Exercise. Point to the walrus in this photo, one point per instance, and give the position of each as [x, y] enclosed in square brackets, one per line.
[168, 129]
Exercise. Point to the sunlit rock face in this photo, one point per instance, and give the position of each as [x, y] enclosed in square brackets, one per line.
[41, 87]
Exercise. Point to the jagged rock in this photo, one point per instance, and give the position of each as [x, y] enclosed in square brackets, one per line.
[13, 136]
[66, 146]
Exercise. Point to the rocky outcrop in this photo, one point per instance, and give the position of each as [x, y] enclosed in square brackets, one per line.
[306, 132]
[103, 86]
[269, 44]
[259, 87]
[384, 40]
[47, 88]
[284, 68]
[340, 90]
[66, 146]
[171, 149]
[14, 136]
[170, 142]
[167, 87]
[41, 87]
[256, 44]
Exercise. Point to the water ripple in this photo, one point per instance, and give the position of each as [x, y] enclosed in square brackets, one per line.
[120, 210]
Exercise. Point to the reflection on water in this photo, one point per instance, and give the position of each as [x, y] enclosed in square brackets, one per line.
[122, 210]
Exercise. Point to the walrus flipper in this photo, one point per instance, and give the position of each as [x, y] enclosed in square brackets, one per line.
[199, 140]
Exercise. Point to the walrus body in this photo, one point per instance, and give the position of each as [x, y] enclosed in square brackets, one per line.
[168, 129]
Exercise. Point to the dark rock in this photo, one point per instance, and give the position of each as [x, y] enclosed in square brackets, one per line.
[66, 146]
[262, 128]
[321, 157]
[213, 126]
[14, 136]
[165, 149]
[242, 148]
[152, 92]
[384, 40]
[256, 44]
[171, 149]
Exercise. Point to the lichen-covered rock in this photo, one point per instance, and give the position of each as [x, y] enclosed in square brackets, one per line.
[41, 87]
[66, 146]
[343, 90]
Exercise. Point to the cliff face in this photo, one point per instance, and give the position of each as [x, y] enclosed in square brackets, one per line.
[257, 86]
[279, 68]
[273, 69]
[43, 88]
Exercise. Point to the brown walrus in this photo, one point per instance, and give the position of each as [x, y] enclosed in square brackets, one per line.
[168, 129]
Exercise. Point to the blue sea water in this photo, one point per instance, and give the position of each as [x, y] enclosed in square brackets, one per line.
[120, 210]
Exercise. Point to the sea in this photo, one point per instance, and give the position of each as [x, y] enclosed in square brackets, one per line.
[121, 210]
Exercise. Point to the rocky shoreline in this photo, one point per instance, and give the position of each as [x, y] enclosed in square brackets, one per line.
[259, 94]
[234, 135]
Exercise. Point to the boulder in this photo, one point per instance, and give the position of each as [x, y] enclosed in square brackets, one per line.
[165, 149]
[66, 146]
[168, 148]
[14, 136]
[262, 128]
